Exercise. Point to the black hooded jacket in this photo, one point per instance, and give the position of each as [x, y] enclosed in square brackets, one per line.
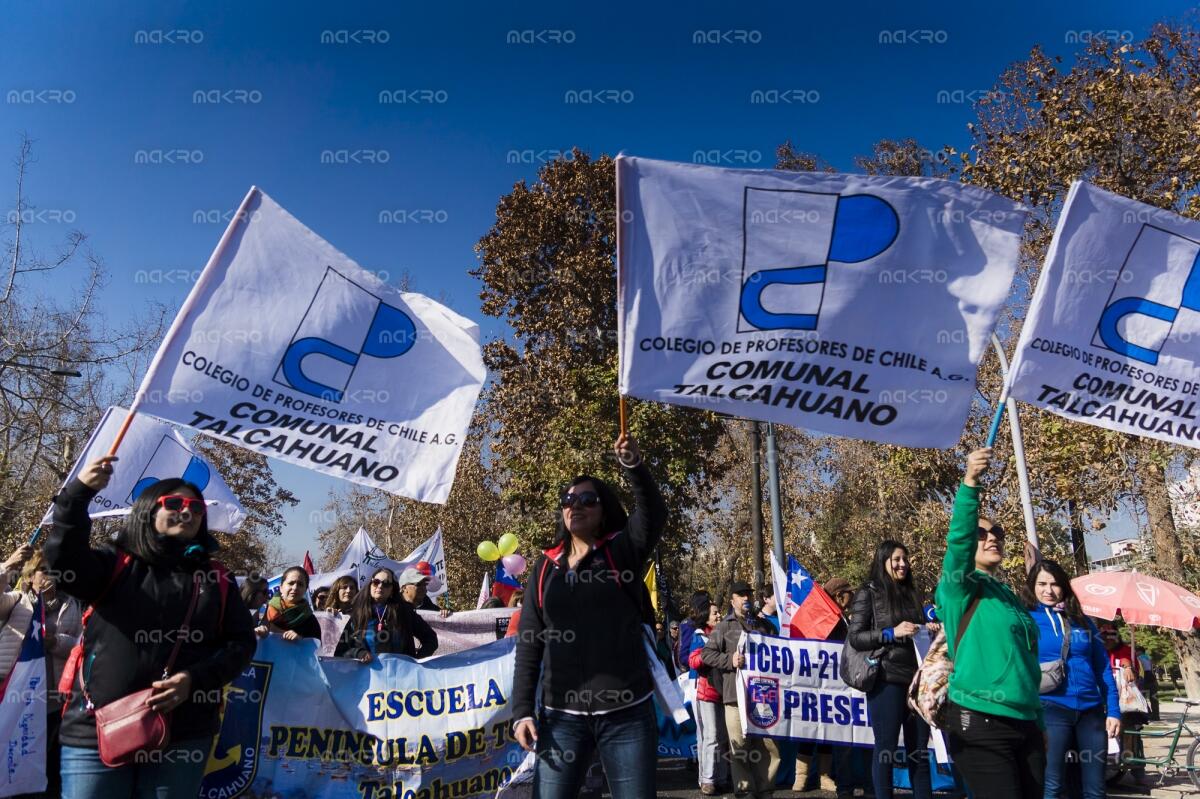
[133, 628]
[870, 615]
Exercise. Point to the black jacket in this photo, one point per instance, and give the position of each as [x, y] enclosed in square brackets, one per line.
[870, 615]
[719, 648]
[584, 628]
[131, 632]
[398, 641]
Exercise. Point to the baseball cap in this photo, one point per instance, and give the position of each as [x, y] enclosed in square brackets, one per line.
[740, 587]
[836, 585]
[412, 576]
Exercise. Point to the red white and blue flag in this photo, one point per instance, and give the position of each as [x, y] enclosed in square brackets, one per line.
[23, 714]
[805, 610]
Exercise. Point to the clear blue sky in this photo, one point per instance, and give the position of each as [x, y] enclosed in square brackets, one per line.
[465, 104]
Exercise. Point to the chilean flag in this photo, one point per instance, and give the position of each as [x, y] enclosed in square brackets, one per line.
[23, 715]
[805, 610]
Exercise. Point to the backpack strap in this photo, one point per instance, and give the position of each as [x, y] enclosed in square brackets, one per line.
[541, 585]
[966, 619]
[224, 580]
[66, 682]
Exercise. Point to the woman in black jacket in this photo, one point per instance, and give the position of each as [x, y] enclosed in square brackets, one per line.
[886, 613]
[140, 589]
[380, 622]
[582, 627]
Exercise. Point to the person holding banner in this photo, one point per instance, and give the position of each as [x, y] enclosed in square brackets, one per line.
[157, 577]
[582, 629]
[755, 761]
[382, 623]
[1079, 696]
[993, 712]
[887, 613]
[288, 612]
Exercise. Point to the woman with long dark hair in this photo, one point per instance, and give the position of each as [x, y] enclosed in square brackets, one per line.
[582, 630]
[1080, 702]
[381, 623]
[142, 588]
[288, 612]
[341, 595]
[887, 612]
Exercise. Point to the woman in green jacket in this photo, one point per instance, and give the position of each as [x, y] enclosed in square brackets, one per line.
[993, 718]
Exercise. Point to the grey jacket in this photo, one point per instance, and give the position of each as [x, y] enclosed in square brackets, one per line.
[718, 653]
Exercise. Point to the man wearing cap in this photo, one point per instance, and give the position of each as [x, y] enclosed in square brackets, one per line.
[754, 761]
[414, 591]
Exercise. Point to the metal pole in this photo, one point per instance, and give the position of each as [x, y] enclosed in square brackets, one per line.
[756, 505]
[1018, 445]
[773, 488]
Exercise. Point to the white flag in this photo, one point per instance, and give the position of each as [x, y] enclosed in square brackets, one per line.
[288, 348]
[363, 557]
[153, 451]
[485, 591]
[846, 304]
[1111, 336]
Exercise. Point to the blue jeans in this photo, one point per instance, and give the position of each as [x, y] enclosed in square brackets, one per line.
[887, 703]
[173, 773]
[1080, 731]
[627, 741]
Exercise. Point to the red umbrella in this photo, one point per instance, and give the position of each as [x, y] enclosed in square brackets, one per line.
[1138, 598]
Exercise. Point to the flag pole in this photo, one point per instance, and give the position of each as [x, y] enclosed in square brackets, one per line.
[1018, 443]
[621, 413]
[191, 300]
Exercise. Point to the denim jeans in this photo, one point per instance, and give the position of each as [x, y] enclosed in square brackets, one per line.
[1079, 731]
[174, 773]
[626, 740]
[887, 704]
[712, 742]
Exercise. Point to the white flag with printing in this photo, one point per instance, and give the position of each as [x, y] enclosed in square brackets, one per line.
[288, 348]
[1112, 333]
[845, 304]
[23, 713]
[363, 556]
[153, 451]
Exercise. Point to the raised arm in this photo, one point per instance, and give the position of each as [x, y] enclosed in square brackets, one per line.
[955, 591]
[80, 571]
[649, 515]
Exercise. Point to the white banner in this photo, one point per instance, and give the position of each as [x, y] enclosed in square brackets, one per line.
[1111, 336]
[288, 348]
[846, 304]
[153, 451]
[23, 715]
[792, 688]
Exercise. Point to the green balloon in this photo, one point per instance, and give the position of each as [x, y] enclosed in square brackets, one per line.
[507, 544]
[487, 551]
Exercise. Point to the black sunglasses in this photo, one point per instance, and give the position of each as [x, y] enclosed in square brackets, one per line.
[584, 499]
[996, 530]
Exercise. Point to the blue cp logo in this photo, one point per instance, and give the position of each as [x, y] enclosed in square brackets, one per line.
[1154, 306]
[344, 327]
[790, 239]
[171, 459]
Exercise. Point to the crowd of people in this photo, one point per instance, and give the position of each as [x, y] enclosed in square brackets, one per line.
[1034, 685]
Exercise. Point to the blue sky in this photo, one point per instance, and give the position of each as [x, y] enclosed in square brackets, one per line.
[470, 113]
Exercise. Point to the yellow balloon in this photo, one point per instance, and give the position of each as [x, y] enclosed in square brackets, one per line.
[487, 551]
[507, 544]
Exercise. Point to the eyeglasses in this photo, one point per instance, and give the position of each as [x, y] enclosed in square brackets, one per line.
[382, 583]
[584, 499]
[177, 503]
[995, 530]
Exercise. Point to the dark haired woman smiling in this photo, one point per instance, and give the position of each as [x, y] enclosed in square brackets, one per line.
[581, 627]
[141, 589]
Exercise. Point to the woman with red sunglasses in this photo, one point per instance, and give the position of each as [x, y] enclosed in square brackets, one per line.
[144, 588]
[582, 630]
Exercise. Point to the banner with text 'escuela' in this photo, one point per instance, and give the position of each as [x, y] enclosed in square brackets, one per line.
[1113, 332]
[288, 348]
[849, 304]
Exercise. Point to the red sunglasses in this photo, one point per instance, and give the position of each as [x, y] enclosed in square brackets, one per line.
[178, 503]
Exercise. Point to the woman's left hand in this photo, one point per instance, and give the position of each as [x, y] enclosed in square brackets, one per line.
[291, 635]
[1112, 727]
[628, 454]
[171, 692]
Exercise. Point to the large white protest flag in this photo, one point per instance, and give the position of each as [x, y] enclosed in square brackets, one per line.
[847, 304]
[1111, 336]
[287, 347]
[154, 451]
[363, 556]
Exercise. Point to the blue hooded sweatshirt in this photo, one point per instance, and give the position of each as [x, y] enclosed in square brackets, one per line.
[1089, 679]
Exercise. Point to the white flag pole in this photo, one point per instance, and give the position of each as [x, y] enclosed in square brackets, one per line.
[184, 311]
[1018, 444]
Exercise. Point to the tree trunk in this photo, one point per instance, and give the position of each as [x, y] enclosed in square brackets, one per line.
[1078, 543]
[1168, 563]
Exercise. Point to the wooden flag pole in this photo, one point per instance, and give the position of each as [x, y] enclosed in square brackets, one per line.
[226, 237]
[621, 413]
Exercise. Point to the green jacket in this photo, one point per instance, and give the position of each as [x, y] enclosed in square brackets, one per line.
[996, 667]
